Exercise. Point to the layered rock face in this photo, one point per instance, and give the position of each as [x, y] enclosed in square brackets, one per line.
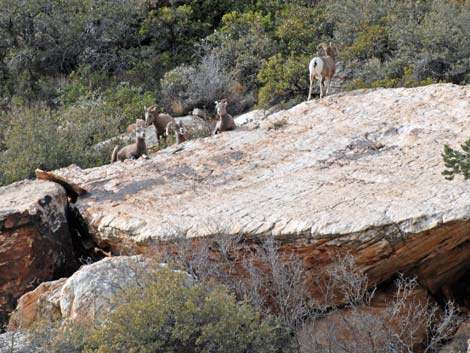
[35, 241]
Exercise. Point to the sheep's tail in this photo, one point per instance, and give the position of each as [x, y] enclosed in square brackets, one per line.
[316, 66]
[114, 154]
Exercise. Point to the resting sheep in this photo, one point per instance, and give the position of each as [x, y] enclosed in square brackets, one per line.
[181, 134]
[160, 121]
[226, 122]
[133, 151]
[323, 68]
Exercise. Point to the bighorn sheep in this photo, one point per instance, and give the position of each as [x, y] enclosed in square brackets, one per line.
[226, 121]
[181, 134]
[323, 68]
[160, 121]
[133, 151]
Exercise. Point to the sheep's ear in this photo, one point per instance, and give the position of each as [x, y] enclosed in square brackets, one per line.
[216, 102]
[145, 108]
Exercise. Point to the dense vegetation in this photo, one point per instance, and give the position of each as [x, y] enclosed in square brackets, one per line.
[88, 67]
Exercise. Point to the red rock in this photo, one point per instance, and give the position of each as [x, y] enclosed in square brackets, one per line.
[35, 241]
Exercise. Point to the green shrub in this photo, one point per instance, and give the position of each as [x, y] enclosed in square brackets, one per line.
[171, 316]
[457, 162]
[299, 29]
[41, 138]
[126, 102]
[283, 79]
[245, 39]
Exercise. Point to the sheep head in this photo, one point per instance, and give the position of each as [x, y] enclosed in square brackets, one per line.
[150, 114]
[332, 51]
[139, 130]
[221, 107]
[328, 49]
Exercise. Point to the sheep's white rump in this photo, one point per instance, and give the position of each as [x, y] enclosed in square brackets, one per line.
[316, 67]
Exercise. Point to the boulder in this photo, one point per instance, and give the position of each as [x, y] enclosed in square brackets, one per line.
[40, 305]
[358, 172]
[202, 113]
[195, 125]
[35, 239]
[85, 296]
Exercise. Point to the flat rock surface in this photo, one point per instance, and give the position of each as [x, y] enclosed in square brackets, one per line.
[359, 170]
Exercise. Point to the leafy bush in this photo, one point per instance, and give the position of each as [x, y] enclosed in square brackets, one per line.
[283, 79]
[457, 162]
[40, 138]
[242, 43]
[426, 37]
[170, 316]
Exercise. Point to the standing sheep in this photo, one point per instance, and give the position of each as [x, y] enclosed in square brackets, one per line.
[160, 121]
[226, 122]
[323, 68]
[181, 135]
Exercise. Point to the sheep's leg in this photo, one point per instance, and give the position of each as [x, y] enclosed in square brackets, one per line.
[158, 139]
[328, 87]
[310, 89]
[217, 128]
[322, 87]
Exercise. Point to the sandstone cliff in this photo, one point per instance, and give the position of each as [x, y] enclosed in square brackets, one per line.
[357, 172]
